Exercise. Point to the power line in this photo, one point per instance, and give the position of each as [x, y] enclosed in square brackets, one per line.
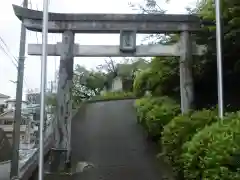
[4, 51]
[10, 55]
[7, 48]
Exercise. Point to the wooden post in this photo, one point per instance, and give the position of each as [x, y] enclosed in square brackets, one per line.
[186, 77]
[64, 99]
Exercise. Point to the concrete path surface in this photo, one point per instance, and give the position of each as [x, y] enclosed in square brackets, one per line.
[107, 135]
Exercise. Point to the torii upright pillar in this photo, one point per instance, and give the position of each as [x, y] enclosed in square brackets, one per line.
[185, 71]
[63, 114]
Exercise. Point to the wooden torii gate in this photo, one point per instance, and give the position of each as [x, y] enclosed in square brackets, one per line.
[128, 25]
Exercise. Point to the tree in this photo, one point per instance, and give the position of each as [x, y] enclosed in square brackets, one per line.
[204, 68]
[152, 7]
[231, 36]
[86, 83]
[89, 83]
[124, 69]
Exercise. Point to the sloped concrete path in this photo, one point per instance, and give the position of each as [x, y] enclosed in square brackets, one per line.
[107, 135]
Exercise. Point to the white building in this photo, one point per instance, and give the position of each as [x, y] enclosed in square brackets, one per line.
[117, 84]
[10, 104]
[6, 124]
[3, 98]
[8, 116]
[33, 98]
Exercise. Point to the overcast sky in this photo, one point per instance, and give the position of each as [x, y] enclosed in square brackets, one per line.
[10, 32]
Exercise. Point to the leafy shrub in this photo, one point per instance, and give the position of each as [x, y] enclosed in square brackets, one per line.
[142, 106]
[145, 104]
[155, 112]
[160, 115]
[209, 154]
[181, 129]
[140, 84]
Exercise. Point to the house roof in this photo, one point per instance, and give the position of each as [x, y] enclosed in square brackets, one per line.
[14, 100]
[9, 115]
[4, 96]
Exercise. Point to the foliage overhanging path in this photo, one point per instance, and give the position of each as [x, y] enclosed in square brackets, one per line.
[106, 134]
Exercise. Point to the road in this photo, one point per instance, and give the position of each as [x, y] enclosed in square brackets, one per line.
[106, 134]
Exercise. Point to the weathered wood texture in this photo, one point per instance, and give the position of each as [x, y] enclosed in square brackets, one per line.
[64, 99]
[186, 77]
[110, 27]
[24, 13]
[114, 51]
[108, 23]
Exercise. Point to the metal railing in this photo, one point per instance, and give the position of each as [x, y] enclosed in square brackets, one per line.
[32, 159]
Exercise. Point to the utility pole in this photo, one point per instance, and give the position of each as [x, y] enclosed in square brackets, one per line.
[19, 91]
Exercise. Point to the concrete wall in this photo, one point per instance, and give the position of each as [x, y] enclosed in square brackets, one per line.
[117, 84]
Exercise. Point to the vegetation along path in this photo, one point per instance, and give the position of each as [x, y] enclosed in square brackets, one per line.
[106, 134]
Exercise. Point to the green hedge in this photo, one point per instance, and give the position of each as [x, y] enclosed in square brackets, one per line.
[159, 116]
[181, 129]
[198, 145]
[143, 106]
[140, 84]
[209, 155]
[154, 113]
[118, 95]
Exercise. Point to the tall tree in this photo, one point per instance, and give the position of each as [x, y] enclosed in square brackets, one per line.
[86, 83]
[204, 68]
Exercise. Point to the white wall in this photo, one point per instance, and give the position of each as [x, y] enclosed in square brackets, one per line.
[117, 84]
[11, 105]
[2, 100]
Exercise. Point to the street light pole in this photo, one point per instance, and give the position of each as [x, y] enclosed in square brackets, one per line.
[43, 87]
[18, 106]
[219, 57]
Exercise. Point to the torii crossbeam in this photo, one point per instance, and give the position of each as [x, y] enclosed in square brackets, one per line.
[109, 23]
[114, 51]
